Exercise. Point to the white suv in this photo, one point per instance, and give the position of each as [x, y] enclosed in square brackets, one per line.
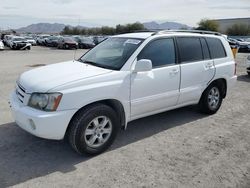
[124, 78]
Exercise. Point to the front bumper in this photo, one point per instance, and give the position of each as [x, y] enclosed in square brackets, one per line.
[49, 125]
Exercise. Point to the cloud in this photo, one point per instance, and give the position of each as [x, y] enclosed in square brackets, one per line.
[62, 1]
[230, 7]
[112, 12]
[10, 7]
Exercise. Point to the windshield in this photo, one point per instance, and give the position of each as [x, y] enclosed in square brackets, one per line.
[18, 39]
[68, 39]
[87, 40]
[53, 38]
[112, 53]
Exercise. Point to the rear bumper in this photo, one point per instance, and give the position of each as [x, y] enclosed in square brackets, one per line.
[49, 125]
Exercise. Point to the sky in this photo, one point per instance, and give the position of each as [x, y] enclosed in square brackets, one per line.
[19, 13]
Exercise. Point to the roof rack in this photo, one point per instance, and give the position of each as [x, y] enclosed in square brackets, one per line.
[188, 31]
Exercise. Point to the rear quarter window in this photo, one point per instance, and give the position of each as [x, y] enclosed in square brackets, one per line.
[216, 48]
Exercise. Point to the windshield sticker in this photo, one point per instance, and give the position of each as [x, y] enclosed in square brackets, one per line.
[132, 41]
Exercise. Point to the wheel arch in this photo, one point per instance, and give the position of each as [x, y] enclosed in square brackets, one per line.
[222, 83]
[115, 104]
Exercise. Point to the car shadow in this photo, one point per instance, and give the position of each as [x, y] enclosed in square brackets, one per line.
[24, 157]
[244, 78]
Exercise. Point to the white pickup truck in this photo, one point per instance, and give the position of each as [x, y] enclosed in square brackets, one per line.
[124, 78]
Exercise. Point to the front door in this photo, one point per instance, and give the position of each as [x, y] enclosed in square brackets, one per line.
[158, 89]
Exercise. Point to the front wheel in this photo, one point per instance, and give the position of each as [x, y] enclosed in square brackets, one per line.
[93, 130]
[211, 100]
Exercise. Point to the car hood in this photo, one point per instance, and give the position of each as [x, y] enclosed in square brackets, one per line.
[48, 77]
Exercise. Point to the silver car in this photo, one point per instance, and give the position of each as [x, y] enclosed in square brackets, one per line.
[1, 45]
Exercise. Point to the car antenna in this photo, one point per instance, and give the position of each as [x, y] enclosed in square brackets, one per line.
[76, 46]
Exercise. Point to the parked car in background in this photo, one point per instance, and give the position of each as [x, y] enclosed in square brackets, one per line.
[67, 43]
[240, 40]
[248, 65]
[233, 43]
[7, 40]
[124, 78]
[41, 39]
[99, 39]
[19, 43]
[30, 40]
[1, 45]
[86, 43]
[52, 41]
[242, 45]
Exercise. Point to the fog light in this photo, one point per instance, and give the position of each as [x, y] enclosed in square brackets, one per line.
[32, 124]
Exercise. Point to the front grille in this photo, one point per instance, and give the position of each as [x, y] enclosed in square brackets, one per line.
[20, 91]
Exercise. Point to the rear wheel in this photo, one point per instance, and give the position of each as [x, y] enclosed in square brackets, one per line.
[211, 99]
[93, 129]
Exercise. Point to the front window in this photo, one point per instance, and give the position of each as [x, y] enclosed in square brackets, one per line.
[112, 53]
[161, 52]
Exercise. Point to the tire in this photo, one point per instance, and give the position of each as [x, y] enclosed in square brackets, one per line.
[211, 99]
[89, 119]
[248, 73]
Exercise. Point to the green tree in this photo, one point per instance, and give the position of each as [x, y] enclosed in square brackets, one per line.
[239, 30]
[208, 25]
[66, 30]
[76, 31]
[120, 29]
[105, 30]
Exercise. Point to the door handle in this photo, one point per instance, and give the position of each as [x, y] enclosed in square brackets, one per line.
[174, 71]
[209, 65]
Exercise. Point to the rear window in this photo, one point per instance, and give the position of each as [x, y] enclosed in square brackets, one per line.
[189, 49]
[216, 48]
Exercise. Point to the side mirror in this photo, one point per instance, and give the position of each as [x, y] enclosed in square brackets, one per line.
[143, 65]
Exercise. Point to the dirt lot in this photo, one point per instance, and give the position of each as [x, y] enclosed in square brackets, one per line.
[180, 148]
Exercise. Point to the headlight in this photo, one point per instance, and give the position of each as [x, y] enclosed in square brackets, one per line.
[45, 101]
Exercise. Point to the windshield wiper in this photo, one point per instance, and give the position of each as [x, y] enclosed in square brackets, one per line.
[97, 64]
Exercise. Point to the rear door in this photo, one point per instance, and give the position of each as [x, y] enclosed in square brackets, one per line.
[197, 68]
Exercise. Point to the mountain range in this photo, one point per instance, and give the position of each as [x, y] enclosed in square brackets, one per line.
[57, 28]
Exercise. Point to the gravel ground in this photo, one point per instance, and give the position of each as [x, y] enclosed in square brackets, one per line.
[179, 148]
